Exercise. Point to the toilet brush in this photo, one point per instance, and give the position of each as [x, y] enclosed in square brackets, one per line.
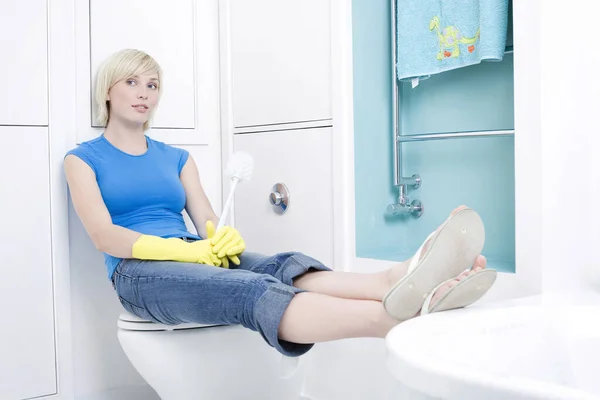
[239, 168]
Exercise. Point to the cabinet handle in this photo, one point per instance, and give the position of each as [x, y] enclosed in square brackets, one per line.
[279, 198]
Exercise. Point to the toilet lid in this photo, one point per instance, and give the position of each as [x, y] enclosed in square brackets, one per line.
[130, 322]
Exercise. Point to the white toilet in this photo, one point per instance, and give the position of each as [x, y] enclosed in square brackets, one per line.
[206, 362]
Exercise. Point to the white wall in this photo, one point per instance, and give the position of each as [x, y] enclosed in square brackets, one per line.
[571, 172]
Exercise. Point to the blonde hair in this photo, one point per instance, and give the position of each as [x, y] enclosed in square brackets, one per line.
[122, 65]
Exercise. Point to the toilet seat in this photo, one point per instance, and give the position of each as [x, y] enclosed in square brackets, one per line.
[130, 322]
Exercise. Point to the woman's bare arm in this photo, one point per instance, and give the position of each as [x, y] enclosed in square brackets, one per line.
[197, 204]
[89, 205]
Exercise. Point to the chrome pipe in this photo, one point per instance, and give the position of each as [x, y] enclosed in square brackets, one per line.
[413, 181]
[404, 206]
[454, 135]
[395, 113]
[402, 198]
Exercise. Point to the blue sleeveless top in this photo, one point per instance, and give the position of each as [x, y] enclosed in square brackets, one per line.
[142, 192]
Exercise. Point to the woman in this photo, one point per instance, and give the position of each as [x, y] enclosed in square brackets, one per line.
[129, 192]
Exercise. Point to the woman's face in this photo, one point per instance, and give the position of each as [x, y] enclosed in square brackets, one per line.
[133, 99]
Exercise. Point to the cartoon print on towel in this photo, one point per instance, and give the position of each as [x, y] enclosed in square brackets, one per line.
[451, 38]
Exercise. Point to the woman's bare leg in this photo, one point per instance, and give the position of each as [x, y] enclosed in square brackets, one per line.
[358, 286]
[347, 285]
[316, 317]
[341, 305]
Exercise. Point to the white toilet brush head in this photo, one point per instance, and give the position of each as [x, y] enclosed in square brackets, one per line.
[240, 166]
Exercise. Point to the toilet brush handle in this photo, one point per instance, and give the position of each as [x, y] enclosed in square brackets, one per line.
[227, 204]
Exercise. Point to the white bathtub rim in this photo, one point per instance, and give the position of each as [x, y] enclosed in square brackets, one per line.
[416, 370]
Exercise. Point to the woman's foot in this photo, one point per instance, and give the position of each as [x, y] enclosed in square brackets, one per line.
[397, 272]
[479, 265]
[437, 267]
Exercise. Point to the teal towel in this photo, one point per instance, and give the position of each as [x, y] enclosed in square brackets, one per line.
[434, 36]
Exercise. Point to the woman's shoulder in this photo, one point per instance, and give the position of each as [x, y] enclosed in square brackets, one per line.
[171, 153]
[166, 148]
[85, 147]
[86, 151]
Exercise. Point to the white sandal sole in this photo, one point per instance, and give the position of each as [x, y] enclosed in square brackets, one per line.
[454, 248]
[464, 293]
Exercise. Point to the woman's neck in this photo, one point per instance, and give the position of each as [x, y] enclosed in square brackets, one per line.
[130, 139]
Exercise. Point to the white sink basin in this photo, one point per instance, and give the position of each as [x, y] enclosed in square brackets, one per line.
[534, 348]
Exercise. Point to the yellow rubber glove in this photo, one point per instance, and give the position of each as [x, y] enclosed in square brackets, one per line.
[227, 243]
[149, 247]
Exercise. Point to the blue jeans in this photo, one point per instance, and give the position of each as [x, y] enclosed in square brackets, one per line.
[254, 294]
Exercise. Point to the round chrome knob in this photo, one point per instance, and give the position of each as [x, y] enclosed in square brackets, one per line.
[279, 198]
[275, 198]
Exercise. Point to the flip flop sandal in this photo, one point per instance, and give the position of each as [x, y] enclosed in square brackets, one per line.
[464, 293]
[453, 247]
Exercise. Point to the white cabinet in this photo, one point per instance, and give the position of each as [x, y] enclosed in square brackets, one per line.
[301, 160]
[181, 35]
[23, 62]
[27, 351]
[165, 30]
[279, 62]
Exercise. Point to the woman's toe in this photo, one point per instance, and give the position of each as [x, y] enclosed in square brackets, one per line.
[442, 290]
[480, 263]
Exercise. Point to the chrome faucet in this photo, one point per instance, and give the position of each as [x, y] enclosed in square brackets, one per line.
[404, 205]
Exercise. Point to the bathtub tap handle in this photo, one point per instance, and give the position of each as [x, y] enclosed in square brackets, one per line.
[415, 208]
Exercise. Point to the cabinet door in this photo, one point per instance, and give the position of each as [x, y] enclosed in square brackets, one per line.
[181, 35]
[24, 61]
[301, 160]
[27, 353]
[280, 61]
[165, 30]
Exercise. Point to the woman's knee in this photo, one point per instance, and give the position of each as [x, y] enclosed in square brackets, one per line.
[290, 265]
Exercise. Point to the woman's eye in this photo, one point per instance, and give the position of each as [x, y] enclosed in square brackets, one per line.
[153, 86]
[130, 82]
